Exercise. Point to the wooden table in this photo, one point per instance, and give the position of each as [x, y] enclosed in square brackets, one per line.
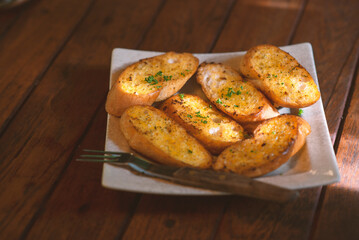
[54, 71]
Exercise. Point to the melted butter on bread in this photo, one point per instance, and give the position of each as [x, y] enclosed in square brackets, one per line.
[279, 76]
[166, 137]
[201, 119]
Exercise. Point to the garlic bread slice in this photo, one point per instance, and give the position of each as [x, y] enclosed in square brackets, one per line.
[239, 99]
[273, 143]
[151, 132]
[203, 121]
[150, 80]
[279, 76]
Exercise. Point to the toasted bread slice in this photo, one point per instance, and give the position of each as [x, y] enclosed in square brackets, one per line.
[151, 132]
[273, 143]
[149, 80]
[279, 76]
[203, 121]
[225, 88]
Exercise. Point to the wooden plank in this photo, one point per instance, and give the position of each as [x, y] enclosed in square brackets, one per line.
[335, 108]
[80, 207]
[36, 146]
[340, 210]
[176, 217]
[187, 26]
[259, 22]
[247, 218]
[23, 47]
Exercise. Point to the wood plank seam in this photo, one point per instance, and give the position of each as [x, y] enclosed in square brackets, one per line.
[346, 77]
[42, 73]
[151, 23]
[220, 220]
[297, 21]
[225, 20]
[129, 216]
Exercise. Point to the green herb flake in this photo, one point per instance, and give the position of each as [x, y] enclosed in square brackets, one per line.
[189, 115]
[181, 95]
[158, 74]
[167, 78]
[151, 80]
[204, 121]
[235, 105]
[189, 151]
[219, 101]
[210, 106]
[183, 74]
[300, 112]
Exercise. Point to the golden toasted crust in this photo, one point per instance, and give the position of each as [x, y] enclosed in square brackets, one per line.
[149, 80]
[203, 121]
[273, 143]
[151, 132]
[279, 76]
[225, 88]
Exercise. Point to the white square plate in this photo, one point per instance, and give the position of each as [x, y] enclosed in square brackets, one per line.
[314, 165]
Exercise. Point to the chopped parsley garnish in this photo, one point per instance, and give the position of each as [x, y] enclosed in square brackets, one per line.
[242, 87]
[181, 95]
[235, 105]
[300, 112]
[219, 101]
[210, 106]
[189, 151]
[187, 70]
[189, 115]
[198, 114]
[183, 74]
[167, 78]
[151, 80]
[158, 74]
[230, 92]
[204, 121]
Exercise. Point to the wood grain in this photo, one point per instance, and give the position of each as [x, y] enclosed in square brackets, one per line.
[340, 210]
[247, 218]
[37, 144]
[175, 217]
[79, 204]
[335, 108]
[258, 22]
[23, 46]
[187, 26]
